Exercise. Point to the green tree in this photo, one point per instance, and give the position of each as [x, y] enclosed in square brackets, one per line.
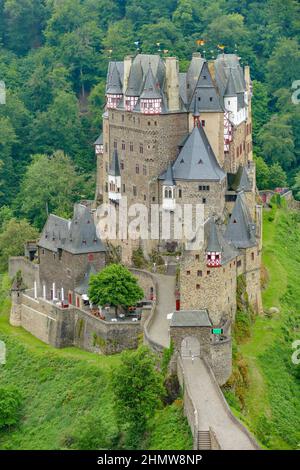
[278, 177]
[12, 239]
[50, 184]
[24, 21]
[260, 110]
[283, 68]
[262, 173]
[296, 186]
[228, 30]
[10, 403]
[138, 388]
[276, 141]
[115, 285]
[6, 214]
[7, 141]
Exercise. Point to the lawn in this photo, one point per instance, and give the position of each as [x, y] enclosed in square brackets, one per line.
[272, 404]
[67, 398]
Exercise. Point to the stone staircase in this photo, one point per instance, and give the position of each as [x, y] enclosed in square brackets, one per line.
[203, 440]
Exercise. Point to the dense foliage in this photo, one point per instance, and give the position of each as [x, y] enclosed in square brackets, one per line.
[116, 286]
[264, 387]
[138, 389]
[53, 60]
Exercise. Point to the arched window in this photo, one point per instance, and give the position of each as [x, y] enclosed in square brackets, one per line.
[170, 193]
[166, 193]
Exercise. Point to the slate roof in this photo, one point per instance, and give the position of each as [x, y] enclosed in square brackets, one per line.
[114, 169]
[183, 318]
[213, 239]
[114, 85]
[230, 87]
[84, 285]
[239, 181]
[223, 64]
[197, 161]
[150, 89]
[77, 236]
[169, 178]
[205, 93]
[241, 230]
[99, 141]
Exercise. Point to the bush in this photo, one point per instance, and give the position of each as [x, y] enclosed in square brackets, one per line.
[10, 403]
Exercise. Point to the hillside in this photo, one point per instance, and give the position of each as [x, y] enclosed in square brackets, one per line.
[67, 399]
[269, 398]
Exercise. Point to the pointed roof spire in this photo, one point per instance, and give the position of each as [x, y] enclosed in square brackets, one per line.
[196, 110]
[197, 161]
[244, 184]
[114, 169]
[230, 87]
[213, 244]
[150, 90]
[114, 85]
[240, 230]
[169, 177]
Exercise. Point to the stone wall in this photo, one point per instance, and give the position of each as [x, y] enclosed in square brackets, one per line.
[74, 327]
[221, 360]
[30, 271]
[203, 335]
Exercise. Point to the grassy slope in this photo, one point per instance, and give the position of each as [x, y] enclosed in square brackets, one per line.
[68, 401]
[272, 408]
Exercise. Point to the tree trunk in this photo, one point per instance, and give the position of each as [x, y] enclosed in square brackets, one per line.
[116, 311]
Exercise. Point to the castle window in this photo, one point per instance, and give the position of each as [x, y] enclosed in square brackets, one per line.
[203, 188]
[122, 117]
[203, 123]
[122, 165]
[155, 123]
[106, 167]
[59, 253]
[199, 273]
[131, 146]
[149, 123]
[252, 256]
[203, 200]
[115, 144]
[188, 273]
[180, 193]
[197, 257]
[84, 242]
[239, 263]
[208, 273]
[144, 170]
[204, 77]
[123, 145]
[137, 169]
[197, 286]
[106, 147]
[210, 98]
[234, 221]
[153, 199]
[124, 188]
[145, 197]
[141, 148]
[134, 190]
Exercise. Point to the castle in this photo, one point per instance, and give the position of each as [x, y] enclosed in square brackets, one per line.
[175, 138]
[169, 139]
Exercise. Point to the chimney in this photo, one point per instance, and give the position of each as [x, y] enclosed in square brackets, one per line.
[247, 76]
[172, 83]
[127, 67]
[211, 68]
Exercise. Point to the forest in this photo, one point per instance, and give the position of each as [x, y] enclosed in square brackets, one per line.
[53, 62]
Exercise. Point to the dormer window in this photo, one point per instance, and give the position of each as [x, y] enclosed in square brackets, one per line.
[84, 242]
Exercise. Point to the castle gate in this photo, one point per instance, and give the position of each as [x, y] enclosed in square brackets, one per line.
[190, 346]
